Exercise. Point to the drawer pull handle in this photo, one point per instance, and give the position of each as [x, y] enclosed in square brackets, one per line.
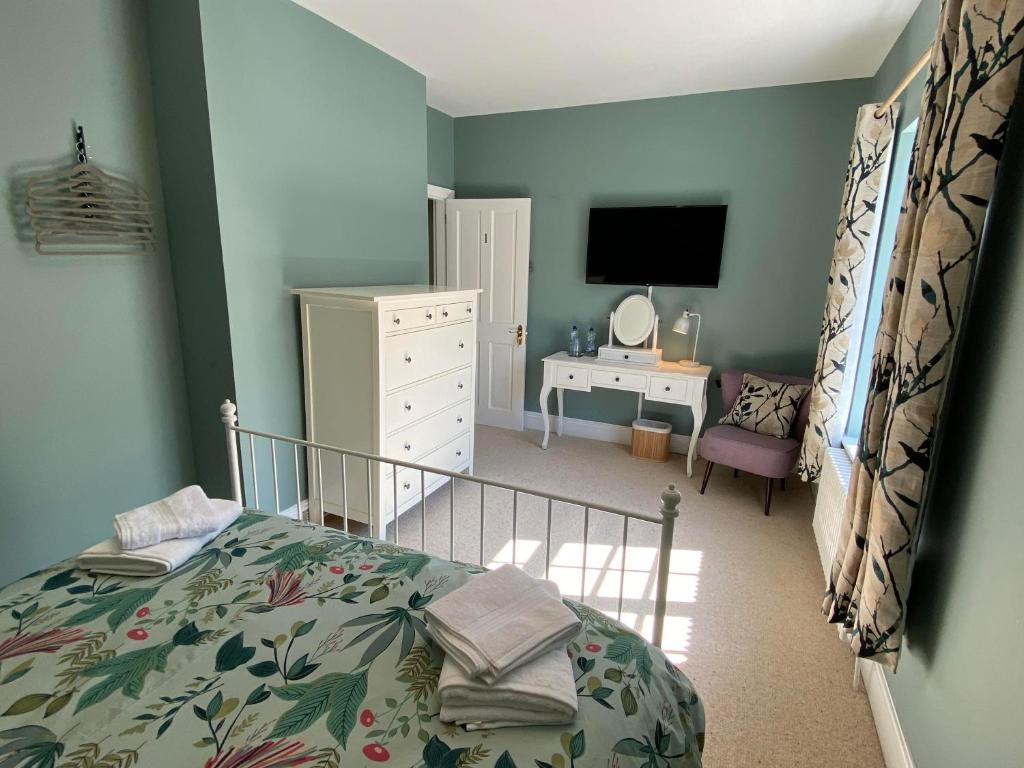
[408, 446]
[458, 453]
[616, 378]
[460, 385]
[571, 377]
[668, 389]
[458, 420]
[408, 357]
[469, 310]
[462, 345]
[406, 486]
[397, 321]
[625, 357]
[408, 406]
[429, 316]
[445, 313]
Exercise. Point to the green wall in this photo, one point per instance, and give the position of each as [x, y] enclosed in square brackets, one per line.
[440, 148]
[957, 691]
[93, 416]
[776, 156]
[308, 150]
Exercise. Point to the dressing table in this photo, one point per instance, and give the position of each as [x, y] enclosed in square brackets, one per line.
[630, 366]
[664, 383]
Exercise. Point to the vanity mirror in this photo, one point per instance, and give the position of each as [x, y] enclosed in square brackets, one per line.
[633, 324]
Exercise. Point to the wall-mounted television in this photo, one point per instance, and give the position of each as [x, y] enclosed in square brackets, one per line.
[659, 245]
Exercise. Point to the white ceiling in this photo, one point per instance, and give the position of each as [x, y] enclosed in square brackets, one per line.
[485, 56]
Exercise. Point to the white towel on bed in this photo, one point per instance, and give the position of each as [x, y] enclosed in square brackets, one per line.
[109, 557]
[498, 621]
[184, 514]
[542, 692]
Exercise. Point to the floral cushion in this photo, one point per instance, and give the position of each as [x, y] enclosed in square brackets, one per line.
[766, 407]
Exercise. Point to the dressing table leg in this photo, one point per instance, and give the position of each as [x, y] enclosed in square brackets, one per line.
[561, 408]
[698, 422]
[545, 392]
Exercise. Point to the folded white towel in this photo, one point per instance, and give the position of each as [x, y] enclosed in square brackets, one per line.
[542, 692]
[184, 514]
[109, 557]
[499, 621]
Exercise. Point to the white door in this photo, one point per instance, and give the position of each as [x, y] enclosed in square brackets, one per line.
[488, 247]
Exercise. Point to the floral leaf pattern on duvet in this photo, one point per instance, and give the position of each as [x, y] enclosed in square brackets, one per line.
[285, 644]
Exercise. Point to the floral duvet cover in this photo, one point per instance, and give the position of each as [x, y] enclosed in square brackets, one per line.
[287, 644]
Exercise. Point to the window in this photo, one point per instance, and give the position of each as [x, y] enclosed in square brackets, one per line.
[860, 360]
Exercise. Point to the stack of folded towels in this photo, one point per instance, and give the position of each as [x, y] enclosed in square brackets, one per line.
[504, 634]
[156, 538]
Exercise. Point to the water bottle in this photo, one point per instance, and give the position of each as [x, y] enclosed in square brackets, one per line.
[590, 348]
[574, 342]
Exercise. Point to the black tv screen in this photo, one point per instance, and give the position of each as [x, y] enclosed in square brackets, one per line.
[663, 245]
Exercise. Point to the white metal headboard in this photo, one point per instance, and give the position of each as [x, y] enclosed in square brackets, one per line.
[665, 517]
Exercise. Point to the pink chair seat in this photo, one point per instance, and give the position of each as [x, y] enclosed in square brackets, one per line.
[750, 452]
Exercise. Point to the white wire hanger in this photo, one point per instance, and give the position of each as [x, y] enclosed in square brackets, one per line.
[84, 210]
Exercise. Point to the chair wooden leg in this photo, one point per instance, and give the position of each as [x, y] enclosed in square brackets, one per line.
[707, 476]
[782, 484]
[735, 473]
[768, 496]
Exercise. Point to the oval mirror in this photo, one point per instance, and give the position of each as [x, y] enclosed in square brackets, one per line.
[634, 320]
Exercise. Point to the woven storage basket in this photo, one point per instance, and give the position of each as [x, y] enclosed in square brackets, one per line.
[650, 439]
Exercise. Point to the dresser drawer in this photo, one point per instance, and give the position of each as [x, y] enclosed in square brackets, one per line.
[670, 390]
[413, 317]
[411, 357]
[572, 377]
[633, 382]
[419, 400]
[451, 456]
[415, 442]
[460, 310]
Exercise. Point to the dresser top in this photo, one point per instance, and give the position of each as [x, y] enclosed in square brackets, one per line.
[384, 292]
[700, 371]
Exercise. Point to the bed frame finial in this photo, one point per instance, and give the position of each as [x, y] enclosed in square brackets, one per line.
[229, 415]
[670, 499]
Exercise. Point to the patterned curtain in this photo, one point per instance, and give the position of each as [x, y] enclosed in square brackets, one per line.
[965, 112]
[856, 237]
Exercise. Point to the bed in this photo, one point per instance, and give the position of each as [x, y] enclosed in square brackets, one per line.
[285, 643]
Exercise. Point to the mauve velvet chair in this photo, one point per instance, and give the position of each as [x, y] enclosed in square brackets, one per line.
[771, 457]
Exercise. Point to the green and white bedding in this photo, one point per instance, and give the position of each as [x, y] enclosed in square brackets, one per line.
[285, 644]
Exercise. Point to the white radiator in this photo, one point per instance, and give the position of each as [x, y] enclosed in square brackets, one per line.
[828, 509]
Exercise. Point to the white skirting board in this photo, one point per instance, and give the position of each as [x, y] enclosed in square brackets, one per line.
[895, 750]
[296, 511]
[598, 430]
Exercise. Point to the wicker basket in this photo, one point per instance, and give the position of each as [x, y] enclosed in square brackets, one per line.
[650, 439]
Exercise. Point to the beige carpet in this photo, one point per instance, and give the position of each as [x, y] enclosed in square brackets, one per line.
[743, 618]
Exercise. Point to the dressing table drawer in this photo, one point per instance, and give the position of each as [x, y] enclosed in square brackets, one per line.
[633, 382]
[573, 377]
[671, 390]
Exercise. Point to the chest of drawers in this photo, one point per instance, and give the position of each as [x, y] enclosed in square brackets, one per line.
[391, 371]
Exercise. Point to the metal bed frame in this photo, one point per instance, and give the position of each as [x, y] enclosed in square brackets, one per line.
[665, 517]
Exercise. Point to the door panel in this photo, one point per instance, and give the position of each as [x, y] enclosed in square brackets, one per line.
[488, 247]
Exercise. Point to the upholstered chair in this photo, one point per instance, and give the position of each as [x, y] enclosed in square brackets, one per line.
[771, 457]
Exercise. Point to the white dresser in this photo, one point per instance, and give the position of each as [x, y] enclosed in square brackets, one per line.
[388, 370]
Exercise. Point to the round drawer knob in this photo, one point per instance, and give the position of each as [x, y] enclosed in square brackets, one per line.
[571, 377]
[668, 389]
[462, 345]
[445, 313]
[458, 453]
[406, 486]
[408, 446]
[398, 321]
[625, 357]
[408, 406]
[616, 378]
[460, 385]
[429, 316]
[469, 310]
[408, 358]
[459, 420]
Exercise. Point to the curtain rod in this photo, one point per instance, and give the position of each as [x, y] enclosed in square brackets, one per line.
[901, 86]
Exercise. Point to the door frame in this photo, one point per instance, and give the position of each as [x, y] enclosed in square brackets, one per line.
[438, 262]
